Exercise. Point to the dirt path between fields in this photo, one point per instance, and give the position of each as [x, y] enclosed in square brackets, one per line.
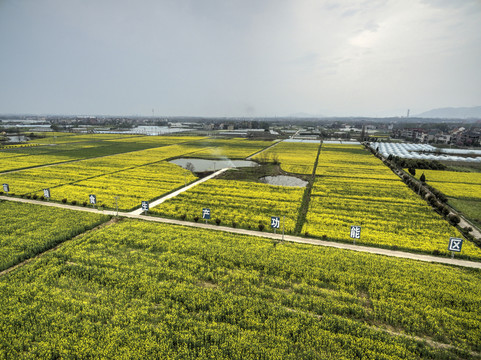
[63, 162]
[432, 343]
[48, 165]
[181, 190]
[277, 237]
[261, 151]
[89, 158]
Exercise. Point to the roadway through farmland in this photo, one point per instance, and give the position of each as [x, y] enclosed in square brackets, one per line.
[279, 237]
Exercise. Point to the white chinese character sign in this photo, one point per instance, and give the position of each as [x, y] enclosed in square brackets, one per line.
[355, 232]
[93, 199]
[145, 205]
[455, 244]
[275, 222]
[205, 213]
[46, 193]
[6, 188]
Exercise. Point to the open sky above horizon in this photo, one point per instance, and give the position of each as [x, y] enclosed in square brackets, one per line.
[239, 57]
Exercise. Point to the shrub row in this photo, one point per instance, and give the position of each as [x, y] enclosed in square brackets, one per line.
[417, 163]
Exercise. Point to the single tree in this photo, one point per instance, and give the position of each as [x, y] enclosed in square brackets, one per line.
[422, 178]
[189, 166]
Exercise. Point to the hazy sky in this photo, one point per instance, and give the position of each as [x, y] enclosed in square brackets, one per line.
[239, 57]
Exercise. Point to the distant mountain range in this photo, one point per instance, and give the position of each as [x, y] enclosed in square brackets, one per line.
[453, 113]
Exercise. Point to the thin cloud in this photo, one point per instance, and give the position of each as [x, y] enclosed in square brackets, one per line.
[218, 58]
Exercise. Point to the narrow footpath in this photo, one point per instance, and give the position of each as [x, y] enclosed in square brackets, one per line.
[279, 237]
[181, 190]
[261, 151]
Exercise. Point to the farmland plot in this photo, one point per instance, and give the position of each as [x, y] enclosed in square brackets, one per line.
[143, 290]
[236, 203]
[27, 230]
[355, 188]
[294, 157]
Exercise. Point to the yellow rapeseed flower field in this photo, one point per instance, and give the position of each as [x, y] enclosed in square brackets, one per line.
[355, 188]
[247, 204]
[454, 183]
[294, 157]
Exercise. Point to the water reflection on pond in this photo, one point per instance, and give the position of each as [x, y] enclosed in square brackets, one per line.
[283, 180]
[16, 139]
[201, 165]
